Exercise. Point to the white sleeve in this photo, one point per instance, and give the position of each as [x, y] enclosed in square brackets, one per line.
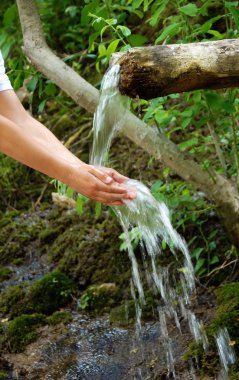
[5, 83]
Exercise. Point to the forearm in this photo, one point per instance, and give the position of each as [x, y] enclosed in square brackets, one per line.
[34, 145]
[28, 141]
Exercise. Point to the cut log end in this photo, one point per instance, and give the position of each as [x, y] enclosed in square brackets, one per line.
[155, 71]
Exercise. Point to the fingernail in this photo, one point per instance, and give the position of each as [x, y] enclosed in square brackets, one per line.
[108, 179]
[131, 194]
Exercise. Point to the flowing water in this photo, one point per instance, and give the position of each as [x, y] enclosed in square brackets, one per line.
[175, 282]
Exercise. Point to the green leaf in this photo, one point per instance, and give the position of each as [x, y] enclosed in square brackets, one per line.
[155, 18]
[17, 82]
[80, 201]
[102, 50]
[197, 252]
[98, 208]
[92, 39]
[214, 260]
[188, 144]
[42, 106]
[199, 265]
[33, 83]
[189, 10]
[137, 40]
[70, 192]
[112, 47]
[208, 24]
[216, 34]
[10, 15]
[72, 10]
[169, 31]
[103, 30]
[217, 103]
[137, 3]
[50, 89]
[124, 30]
[86, 10]
[125, 48]
[235, 13]
[156, 186]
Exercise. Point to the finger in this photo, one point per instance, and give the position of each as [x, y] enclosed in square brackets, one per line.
[113, 197]
[101, 175]
[114, 188]
[115, 175]
[117, 203]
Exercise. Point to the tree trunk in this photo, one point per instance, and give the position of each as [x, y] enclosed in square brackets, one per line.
[154, 71]
[216, 187]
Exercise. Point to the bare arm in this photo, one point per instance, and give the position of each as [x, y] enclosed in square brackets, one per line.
[28, 141]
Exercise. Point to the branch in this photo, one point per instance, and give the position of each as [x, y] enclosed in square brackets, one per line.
[216, 187]
[41, 57]
[154, 71]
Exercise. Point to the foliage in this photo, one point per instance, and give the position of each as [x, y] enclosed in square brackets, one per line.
[59, 317]
[202, 123]
[45, 295]
[227, 316]
[12, 300]
[51, 292]
[20, 332]
[99, 298]
[5, 273]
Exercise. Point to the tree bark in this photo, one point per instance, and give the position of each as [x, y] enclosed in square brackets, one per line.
[154, 71]
[218, 189]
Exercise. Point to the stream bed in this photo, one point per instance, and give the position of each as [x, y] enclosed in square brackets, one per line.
[92, 349]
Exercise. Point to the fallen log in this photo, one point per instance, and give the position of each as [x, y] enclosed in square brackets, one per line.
[154, 71]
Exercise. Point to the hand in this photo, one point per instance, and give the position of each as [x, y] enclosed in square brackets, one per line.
[103, 185]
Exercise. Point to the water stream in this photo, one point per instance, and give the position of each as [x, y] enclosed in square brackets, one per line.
[175, 282]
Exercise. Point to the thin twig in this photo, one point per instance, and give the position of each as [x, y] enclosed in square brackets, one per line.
[217, 145]
[232, 127]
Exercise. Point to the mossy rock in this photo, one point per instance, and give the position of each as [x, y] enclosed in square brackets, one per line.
[99, 298]
[3, 376]
[123, 314]
[13, 300]
[59, 317]
[46, 295]
[5, 273]
[21, 331]
[227, 316]
[227, 313]
[50, 293]
[16, 234]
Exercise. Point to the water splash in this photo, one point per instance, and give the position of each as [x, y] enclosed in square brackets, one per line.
[226, 352]
[152, 218]
[110, 112]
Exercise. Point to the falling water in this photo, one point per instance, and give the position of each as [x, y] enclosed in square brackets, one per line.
[226, 352]
[153, 221]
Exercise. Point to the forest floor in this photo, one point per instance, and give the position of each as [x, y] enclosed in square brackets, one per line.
[85, 328]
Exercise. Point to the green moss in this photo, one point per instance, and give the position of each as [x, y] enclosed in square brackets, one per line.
[13, 300]
[3, 376]
[46, 295]
[50, 293]
[227, 315]
[124, 314]
[5, 273]
[20, 332]
[18, 261]
[16, 234]
[59, 317]
[99, 298]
